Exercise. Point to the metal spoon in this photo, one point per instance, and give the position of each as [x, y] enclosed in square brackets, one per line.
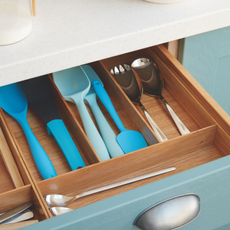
[56, 211]
[132, 87]
[56, 200]
[153, 85]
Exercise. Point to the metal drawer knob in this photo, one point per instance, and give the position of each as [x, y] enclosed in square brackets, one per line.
[169, 214]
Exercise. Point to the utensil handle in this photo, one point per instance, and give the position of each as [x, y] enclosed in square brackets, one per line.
[92, 133]
[10, 162]
[155, 127]
[104, 97]
[124, 182]
[42, 161]
[180, 125]
[106, 131]
[58, 129]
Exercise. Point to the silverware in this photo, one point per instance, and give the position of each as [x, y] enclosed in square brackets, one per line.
[132, 87]
[7, 215]
[56, 211]
[57, 200]
[153, 85]
[18, 225]
[25, 215]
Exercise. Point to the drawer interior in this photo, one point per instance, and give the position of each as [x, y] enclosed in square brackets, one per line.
[19, 196]
[14, 194]
[206, 142]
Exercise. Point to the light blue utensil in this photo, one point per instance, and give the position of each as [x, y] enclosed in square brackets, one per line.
[58, 130]
[74, 85]
[128, 140]
[106, 131]
[14, 102]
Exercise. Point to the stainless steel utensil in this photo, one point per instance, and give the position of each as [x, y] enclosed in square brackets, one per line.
[22, 216]
[56, 200]
[56, 211]
[132, 87]
[153, 85]
[7, 215]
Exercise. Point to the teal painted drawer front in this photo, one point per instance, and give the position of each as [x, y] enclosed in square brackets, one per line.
[207, 57]
[211, 182]
[225, 227]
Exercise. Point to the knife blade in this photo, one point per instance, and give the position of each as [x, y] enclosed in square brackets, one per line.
[25, 215]
[15, 211]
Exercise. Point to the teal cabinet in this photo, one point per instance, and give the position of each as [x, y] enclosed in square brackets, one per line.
[225, 227]
[211, 182]
[207, 57]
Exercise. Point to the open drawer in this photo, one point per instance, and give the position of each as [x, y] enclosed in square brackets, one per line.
[200, 157]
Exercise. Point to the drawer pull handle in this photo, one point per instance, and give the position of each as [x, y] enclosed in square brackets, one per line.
[169, 214]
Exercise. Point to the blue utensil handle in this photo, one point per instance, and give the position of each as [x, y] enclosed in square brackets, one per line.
[104, 97]
[59, 131]
[107, 133]
[92, 132]
[41, 159]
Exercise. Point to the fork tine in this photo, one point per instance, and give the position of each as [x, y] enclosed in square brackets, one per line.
[116, 71]
[127, 67]
[122, 70]
[112, 72]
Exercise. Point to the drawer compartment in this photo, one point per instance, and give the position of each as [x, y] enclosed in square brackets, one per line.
[207, 142]
[16, 186]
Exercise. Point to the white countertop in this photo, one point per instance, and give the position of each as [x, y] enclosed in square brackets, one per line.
[74, 32]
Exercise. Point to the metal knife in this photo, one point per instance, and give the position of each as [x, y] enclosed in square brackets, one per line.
[15, 211]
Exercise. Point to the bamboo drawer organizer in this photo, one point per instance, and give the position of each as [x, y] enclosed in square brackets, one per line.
[209, 138]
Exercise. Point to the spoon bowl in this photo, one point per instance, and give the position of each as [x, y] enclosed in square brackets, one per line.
[150, 78]
[56, 211]
[153, 85]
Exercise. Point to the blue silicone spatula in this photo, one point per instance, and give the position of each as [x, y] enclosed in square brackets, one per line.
[106, 131]
[40, 98]
[128, 140]
[74, 85]
[14, 102]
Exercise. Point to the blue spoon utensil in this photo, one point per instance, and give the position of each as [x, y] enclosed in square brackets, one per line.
[14, 102]
[128, 140]
[74, 85]
[40, 98]
[106, 131]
